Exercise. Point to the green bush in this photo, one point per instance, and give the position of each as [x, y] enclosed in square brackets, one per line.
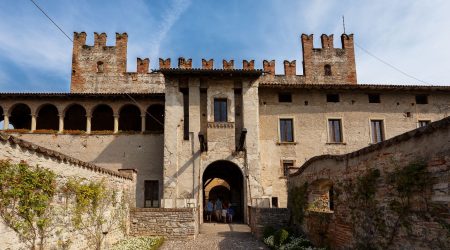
[280, 240]
[268, 231]
[281, 236]
[139, 243]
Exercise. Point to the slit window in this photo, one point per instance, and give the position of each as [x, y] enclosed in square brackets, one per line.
[286, 130]
[327, 70]
[377, 131]
[284, 97]
[185, 92]
[332, 97]
[374, 98]
[335, 130]
[220, 110]
[100, 67]
[421, 99]
[151, 193]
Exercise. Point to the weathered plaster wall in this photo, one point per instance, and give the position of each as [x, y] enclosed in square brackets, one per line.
[430, 144]
[64, 167]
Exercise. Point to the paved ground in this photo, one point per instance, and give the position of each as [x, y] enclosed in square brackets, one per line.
[218, 236]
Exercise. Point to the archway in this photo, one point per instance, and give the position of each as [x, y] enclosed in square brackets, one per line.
[224, 180]
[130, 118]
[47, 118]
[20, 117]
[75, 118]
[102, 118]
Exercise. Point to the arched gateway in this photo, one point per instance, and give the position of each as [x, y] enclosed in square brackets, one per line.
[224, 180]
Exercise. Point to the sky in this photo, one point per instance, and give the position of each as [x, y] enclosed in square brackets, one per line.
[413, 36]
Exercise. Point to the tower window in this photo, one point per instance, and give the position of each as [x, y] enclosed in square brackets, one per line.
[286, 130]
[374, 98]
[332, 97]
[99, 67]
[421, 99]
[327, 70]
[220, 110]
[284, 97]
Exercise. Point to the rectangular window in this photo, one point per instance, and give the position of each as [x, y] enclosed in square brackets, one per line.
[421, 99]
[424, 123]
[185, 92]
[335, 130]
[274, 201]
[151, 194]
[287, 166]
[377, 131]
[374, 98]
[220, 110]
[332, 97]
[286, 130]
[284, 97]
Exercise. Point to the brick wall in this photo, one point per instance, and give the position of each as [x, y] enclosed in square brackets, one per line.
[172, 222]
[262, 217]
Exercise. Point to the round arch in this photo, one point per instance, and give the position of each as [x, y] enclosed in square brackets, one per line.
[102, 118]
[47, 117]
[130, 118]
[154, 118]
[224, 180]
[75, 117]
[20, 116]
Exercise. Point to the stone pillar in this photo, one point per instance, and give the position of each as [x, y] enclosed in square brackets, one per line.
[88, 124]
[61, 123]
[33, 122]
[5, 121]
[194, 127]
[143, 123]
[116, 124]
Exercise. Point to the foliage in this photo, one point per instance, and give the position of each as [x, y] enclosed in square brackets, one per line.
[282, 240]
[139, 243]
[26, 194]
[268, 231]
[299, 201]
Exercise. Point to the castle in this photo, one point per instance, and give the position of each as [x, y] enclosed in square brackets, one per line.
[229, 132]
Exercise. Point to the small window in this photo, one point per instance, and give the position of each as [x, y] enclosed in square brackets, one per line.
[374, 98]
[284, 97]
[331, 198]
[327, 70]
[423, 123]
[332, 97]
[377, 131]
[220, 110]
[99, 67]
[286, 130]
[151, 194]
[421, 99]
[287, 166]
[274, 201]
[335, 130]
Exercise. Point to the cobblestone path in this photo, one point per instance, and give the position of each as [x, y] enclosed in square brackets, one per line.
[218, 236]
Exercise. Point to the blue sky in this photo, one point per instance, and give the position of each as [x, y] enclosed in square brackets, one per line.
[412, 35]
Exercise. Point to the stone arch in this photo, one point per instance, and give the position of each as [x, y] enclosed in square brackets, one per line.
[130, 118]
[154, 118]
[20, 116]
[102, 118]
[47, 117]
[321, 195]
[75, 117]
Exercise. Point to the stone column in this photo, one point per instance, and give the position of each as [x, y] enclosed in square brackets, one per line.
[61, 123]
[116, 124]
[5, 121]
[88, 124]
[33, 122]
[194, 127]
[143, 123]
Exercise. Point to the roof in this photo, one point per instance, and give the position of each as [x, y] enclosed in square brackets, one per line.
[214, 72]
[356, 87]
[77, 95]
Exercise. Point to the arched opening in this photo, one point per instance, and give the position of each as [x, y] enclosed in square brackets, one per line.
[20, 117]
[154, 118]
[100, 67]
[223, 180]
[321, 196]
[130, 118]
[327, 69]
[47, 117]
[75, 118]
[102, 118]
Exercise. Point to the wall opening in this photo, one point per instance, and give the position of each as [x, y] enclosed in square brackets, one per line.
[154, 118]
[102, 118]
[130, 118]
[321, 196]
[75, 118]
[100, 66]
[1, 118]
[47, 118]
[20, 117]
[327, 70]
[223, 180]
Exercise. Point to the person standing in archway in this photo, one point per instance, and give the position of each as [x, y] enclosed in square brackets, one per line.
[209, 209]
[218, 210]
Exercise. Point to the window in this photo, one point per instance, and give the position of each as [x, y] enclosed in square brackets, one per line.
[185, 92]
[151, 194]
[332, 97]
[331, 198]
[377, 131]
[284, 97]
[274, 201]
[287, 165]
[424, 123]
[421, 99]
[335, 130]
[99, 67]
[220, 110]
[286, 130]
[327, 70]
[374, 98]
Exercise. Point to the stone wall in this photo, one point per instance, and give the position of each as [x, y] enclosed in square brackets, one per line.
[16, 150]
[261, 217]
[334, 225]
[169, 222]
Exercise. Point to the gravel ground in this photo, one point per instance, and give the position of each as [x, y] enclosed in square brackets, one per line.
[218, 236]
